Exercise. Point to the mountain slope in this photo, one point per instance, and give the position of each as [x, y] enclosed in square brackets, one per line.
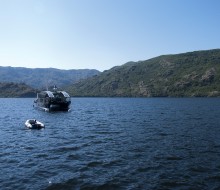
[16, 90]
[40, 78]
[187, 74]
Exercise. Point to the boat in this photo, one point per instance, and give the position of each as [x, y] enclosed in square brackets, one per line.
[53, 100]
[34, 124]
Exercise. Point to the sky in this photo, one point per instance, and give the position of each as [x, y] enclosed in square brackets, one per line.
[101, 34]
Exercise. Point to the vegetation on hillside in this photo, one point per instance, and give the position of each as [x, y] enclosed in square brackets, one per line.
[16, 90]
[181, 75]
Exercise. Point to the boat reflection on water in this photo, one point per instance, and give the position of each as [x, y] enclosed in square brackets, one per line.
[53, 100]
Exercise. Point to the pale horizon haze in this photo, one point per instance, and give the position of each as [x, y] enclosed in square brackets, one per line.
[101, 34]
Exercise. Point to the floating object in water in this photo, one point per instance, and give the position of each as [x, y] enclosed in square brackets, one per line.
[53, 100]
[34, 124]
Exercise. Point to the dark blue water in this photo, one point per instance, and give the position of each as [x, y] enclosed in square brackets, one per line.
[112, 143]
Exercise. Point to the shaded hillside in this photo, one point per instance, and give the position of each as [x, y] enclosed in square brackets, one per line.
[40, 78]
[16, 90]
[188, 74]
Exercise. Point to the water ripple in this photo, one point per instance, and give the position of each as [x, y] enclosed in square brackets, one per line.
[112, 143]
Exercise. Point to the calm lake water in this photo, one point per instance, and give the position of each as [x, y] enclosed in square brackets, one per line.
[112, 143]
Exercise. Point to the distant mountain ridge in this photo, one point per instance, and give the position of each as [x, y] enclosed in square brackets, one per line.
[181, 75]
[43, 77]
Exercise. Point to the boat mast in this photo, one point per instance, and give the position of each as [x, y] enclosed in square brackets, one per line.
[55, 88]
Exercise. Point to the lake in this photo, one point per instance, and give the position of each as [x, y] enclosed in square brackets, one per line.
[112, 143]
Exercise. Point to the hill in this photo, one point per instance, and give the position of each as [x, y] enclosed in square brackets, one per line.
[41, 78]
[16, 90]
[181, 75]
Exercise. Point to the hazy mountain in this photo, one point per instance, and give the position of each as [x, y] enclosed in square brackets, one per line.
[41, 78]
[187, 74]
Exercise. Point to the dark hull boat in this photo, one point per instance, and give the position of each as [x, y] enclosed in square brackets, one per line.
[53, 101]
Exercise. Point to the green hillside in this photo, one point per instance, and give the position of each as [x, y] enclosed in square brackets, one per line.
[181, 75]
[16, 90]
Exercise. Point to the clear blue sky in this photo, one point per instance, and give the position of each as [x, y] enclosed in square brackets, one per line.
[100, 34]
